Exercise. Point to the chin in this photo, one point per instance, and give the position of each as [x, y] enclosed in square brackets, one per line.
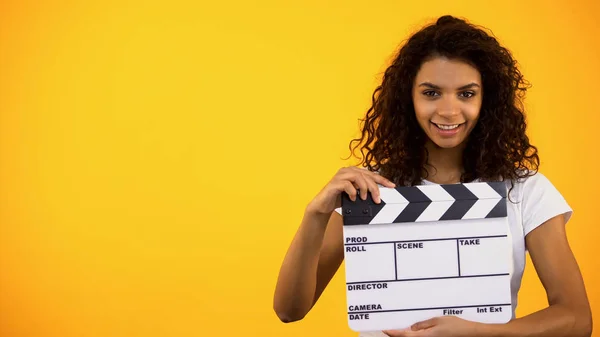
[446, 143]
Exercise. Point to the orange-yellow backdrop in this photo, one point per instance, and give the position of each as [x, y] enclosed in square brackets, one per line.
[156, 157]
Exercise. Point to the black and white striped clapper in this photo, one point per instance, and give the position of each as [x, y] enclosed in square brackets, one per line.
[422, 203]
[427, 251]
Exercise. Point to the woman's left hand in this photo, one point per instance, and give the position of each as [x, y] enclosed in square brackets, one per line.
[445, 326]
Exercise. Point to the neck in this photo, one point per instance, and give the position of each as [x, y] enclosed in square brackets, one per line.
[444, 166]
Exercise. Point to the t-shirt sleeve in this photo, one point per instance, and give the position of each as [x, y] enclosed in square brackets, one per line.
[541, 202]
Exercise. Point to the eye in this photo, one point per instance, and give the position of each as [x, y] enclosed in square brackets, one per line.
[430, 93]
[468, 94]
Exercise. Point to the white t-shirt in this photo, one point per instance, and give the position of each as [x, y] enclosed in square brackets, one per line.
[533, 201]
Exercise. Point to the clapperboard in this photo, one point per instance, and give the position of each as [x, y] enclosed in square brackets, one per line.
[427, 251]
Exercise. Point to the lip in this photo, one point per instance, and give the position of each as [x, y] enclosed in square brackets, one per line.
[447, 133]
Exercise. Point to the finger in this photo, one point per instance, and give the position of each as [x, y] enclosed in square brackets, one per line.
[426, 324]
[395, 333]
[365, 181]
[372, 185]
[382, 180]
[359, 181]
[376, 176]
[349, 175]
[402, 333]
[348, 187]
[363, 186]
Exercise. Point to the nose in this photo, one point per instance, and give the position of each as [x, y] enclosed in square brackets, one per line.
[449, 107]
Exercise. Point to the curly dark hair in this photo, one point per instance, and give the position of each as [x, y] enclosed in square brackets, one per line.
[498, 148]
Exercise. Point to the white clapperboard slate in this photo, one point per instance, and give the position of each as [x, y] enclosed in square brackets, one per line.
[427, 251]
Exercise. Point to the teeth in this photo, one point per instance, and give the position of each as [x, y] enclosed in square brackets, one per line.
[447, 127]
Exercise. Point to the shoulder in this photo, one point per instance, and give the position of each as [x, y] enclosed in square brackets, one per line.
[534, 184]
[539, 200]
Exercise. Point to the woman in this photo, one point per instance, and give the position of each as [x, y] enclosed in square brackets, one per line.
[449, 110]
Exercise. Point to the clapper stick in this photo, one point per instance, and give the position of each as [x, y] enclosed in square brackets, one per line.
[427, 251]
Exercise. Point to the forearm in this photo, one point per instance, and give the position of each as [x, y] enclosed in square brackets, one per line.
[296, 284]
[555, 321]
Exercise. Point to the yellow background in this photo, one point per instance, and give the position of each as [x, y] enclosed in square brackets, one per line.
[156, 157]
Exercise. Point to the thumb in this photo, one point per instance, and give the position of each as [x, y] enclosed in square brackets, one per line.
[424, 324]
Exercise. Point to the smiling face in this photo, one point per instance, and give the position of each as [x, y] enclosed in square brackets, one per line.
[447, 96]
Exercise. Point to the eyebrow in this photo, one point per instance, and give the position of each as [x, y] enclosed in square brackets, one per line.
[433, 86]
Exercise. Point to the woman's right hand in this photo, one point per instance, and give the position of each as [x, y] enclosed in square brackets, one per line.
[348, 179]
